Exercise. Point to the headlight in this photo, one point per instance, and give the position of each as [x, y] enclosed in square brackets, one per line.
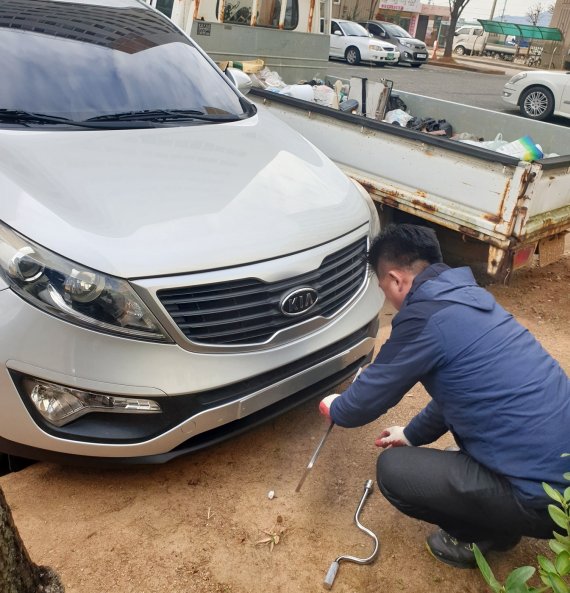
[375, 47]
[374, 228]
[517, 77]
[73, 292]
[406, 43]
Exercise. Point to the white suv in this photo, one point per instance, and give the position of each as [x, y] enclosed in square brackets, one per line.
[175, 266]
[352, 42]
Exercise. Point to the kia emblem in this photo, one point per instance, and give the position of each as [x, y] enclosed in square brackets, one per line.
[299, 301]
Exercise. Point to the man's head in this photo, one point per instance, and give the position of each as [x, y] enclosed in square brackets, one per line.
[398, 254]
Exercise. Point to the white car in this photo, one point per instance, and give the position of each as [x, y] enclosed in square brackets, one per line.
[352, 42]
[539, 94]
[176, 265]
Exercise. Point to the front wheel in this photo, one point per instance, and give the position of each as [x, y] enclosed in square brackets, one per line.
[353, 56]
[536, 103]
[459, 50]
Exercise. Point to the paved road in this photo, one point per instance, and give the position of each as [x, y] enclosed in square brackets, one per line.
[460, 86]
[471, 88]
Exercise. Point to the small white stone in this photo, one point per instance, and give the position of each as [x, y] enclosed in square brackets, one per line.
[271, 495]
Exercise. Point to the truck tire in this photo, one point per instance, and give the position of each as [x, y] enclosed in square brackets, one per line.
[459, 50]
[536, 102]
[352, 56]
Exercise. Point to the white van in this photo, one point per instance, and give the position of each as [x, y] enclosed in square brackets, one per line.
[175, 265]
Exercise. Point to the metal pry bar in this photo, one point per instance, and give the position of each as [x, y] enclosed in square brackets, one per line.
[333, 569]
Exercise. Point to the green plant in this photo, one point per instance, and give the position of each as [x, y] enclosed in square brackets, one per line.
[554, 573]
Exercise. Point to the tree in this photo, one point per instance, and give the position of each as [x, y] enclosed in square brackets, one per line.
[534, 13]
[18, 574]
[456, 7]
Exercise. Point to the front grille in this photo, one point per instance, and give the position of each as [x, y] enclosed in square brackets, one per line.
[248, 311]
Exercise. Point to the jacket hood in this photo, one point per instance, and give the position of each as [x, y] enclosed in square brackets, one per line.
[439, 282]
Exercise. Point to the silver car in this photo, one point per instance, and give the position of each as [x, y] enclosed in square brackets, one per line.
[175, 265]
[412, 51]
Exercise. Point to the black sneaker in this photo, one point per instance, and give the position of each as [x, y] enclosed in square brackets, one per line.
[446, 548]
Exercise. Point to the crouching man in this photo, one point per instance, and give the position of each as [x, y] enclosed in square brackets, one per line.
[505, 400]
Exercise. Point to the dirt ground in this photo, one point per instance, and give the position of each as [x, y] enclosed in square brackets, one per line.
[192, 525]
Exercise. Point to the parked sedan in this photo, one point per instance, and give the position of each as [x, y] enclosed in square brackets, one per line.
[539, 94]
[412, 51]
[352, 42]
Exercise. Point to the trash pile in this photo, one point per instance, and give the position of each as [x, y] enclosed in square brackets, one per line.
[375, 100]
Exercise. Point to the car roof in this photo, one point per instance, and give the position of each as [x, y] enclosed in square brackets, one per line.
[107, 3]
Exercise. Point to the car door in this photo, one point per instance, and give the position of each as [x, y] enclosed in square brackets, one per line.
[338, 41]
[564, 106]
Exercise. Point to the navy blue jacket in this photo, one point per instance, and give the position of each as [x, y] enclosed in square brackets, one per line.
[504, 398]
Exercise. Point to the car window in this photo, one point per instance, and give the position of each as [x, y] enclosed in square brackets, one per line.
[335, 28]
[397, 31]
[268, 12]
[462, 31]
[354, 30]
[80, 61]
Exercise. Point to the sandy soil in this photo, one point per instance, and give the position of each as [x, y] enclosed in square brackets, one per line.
[192, 525]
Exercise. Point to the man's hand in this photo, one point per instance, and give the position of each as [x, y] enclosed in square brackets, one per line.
[392, 437]
[325, 405]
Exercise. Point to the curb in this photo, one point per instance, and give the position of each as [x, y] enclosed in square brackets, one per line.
[457, 66]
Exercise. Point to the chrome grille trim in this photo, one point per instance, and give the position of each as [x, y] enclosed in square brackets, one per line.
[246, 311]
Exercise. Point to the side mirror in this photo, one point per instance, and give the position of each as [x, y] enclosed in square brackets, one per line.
[455, 34]
[240, 79]
[337, 33]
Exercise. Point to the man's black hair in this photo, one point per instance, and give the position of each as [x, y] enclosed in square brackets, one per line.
[403, 245]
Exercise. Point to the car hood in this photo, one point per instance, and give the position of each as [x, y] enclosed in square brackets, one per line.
[414, 41]
[138, 203]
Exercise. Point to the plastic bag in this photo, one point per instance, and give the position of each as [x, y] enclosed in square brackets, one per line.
[326, 96]
[524, 149]
[300, 91]
[398, 116]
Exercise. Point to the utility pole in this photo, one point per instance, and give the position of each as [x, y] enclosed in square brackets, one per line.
[493, 10]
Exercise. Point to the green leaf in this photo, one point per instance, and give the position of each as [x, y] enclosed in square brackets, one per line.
[567, 494]
[519, 577]
[566, 476]
[545, 564]
[557, 584]
[554, 494]
[556, 547]
[563, 539]
[486, 571]
[565, 455]
[558, 516]
[562, 563]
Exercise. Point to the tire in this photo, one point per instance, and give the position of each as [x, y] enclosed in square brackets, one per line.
[415, 65]
[536, 102]
[352, 56]
[459, 50]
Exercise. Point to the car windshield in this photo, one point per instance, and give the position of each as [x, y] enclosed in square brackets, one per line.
[397, 31]
[78, 61]
[354, 30]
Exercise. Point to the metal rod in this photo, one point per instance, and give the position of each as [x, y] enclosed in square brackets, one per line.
[333, 569]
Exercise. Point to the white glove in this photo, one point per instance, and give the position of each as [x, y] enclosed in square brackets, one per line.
[392, 437]
[325, 405]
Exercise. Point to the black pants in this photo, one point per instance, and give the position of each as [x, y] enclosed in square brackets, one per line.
[452, 490]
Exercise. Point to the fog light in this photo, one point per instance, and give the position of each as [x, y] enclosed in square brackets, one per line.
[60, 405]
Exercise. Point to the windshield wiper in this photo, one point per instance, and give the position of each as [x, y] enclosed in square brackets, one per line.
[20, 116]
[162, 115]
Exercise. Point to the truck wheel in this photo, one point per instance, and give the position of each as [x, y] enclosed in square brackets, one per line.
[536, 102]
[352, 56]
[459, 50]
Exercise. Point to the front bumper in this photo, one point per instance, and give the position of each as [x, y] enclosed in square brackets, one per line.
[510, 95]
[204, 395]
[411, 56]
[384, 57]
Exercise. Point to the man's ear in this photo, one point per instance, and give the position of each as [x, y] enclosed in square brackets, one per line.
[398, 277]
